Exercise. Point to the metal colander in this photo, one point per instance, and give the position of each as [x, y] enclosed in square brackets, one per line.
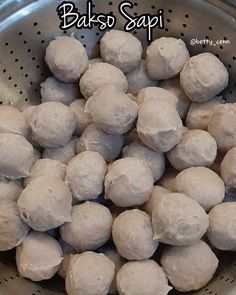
[27, 26]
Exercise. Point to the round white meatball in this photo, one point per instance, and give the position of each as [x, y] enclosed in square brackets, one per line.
[10, 189]
[54, 90]
[45, 203]
[12, 121]
[112, 110]
[200, 114]
[203, 77]
[178, 220]
[128, 182]
[121, 49]
[157, 193]
[191, 267]
[197, 148]
[95, 60]
[142, 277]
[173, 86]
[46, 167]
[94, 139]
[27, 113]
[154, 160]
[228, 168]
[202, 185]
[159, 125]
[222, 226]
[85, 175]
[38, 257]
[64, 265]
[52, 124]
[133, 235]
[89, 273]
[166, 57]
[90, 226]
[63, 154]
[66, 58]
[222, 126]
[100, 75]
[119, 262]
[83, 119]
[16, 156]
[168, 179]
[158, 94]
[12, 229]
[139, 79]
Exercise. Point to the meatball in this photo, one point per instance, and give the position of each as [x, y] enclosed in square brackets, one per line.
[94, 139]
[38, 257]
[222, 126]
[142, 277]
[85, 175]
[133, 235]
[168, 179]
[16, 156]
[121, 49]
[166, 58]
[203, 77]
[46, 167]
[12, 121]
[159, 125]
[178, 220]
[64, 265]
[197, 148]
[157, 193]
[66, 58]
[222, 226]
[112, 110]
[202, 185]
[128, 182]
[228, 168]
[200, 114]
[100, 75]
[45, 203]
[54, 90]
[138, 78]
[9, 189]
[154, 160]
[173, 85]
[95, 60]
[83, 119]
[12, 229]
[191, 267]
[63, 154]
[52, 124]
[90, 226]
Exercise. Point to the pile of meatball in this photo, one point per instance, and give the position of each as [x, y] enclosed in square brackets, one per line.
[122, 155]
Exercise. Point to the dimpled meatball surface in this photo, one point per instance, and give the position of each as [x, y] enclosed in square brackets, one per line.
[100, 75]
[38, 257]
[45, 203]
[166, 57]
[121, 49]
[197, 148]
[203, 77]
[55, 90]
[12, 229]
[89, 273]
[178, 220]
[222, 227]
[191, 267]
[159, 125]
[66, 58]
[52, 124]
[85, 175]
[90, 226]
[112, 110]
[128, 182]
[16, 156]
[133, 235]
[142, 277]
[202, 185]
